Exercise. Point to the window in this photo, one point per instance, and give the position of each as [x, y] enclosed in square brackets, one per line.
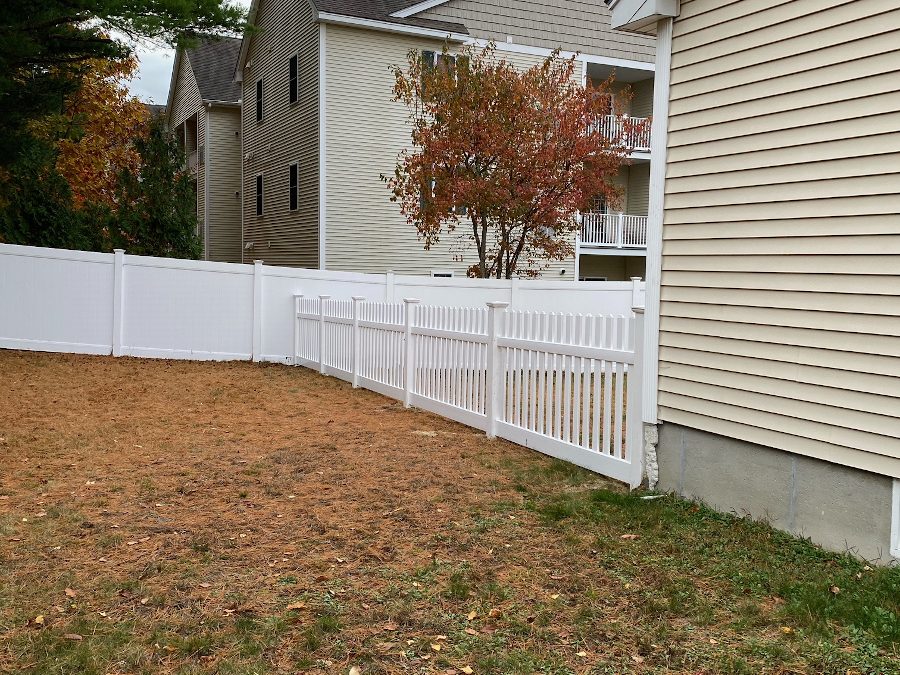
[293, 186]
[292, 79]
[442, 274]
[437, 61]
[259, 195]
[259, 100]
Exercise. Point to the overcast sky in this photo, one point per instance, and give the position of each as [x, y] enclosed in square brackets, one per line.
[152, 82]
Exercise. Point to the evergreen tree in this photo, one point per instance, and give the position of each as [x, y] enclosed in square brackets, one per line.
[157, 205]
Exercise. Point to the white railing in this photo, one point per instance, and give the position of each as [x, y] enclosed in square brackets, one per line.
[616, 230]
[565, 385]
[630, 132]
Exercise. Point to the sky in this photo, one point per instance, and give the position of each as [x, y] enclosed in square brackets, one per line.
[152, 82]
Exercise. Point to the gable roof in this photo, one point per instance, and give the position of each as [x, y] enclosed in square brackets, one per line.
[385, 10]
[213, 63]
[374, 14]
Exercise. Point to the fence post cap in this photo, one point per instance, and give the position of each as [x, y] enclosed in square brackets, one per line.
[257, 262]
[324, 297]
[298, 295]
[498, 305]
[118, 250]
[358, 298]
[412, 301]
[636, 279]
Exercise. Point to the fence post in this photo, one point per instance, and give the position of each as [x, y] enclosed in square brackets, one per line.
[634, 427]
[257, 310]
[322, 299]
[409, 368]
[296, 360]
[636, 299]
[495, 394]
[514, 289]
[389, 286]
[354, 365]
[118, 299]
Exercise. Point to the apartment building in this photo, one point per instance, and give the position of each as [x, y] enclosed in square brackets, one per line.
[319, 129]
[773, 295]
[204, 113]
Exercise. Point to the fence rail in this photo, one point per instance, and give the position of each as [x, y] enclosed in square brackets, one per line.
[563, 384]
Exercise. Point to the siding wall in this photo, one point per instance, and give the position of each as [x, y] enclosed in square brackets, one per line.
[223, 171]
[186, 99]
[637, 198]
[582, 25]
[780, 315]
[288, 133]
[365, 232]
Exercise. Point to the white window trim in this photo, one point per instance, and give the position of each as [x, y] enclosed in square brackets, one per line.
[895, 520]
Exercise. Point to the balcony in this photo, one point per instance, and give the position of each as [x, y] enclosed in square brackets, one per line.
[631, 132]
[193, 161]
[619, 232]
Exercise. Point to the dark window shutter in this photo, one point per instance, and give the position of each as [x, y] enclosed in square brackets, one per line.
[293, 181]
[293, 78]
[259, 100]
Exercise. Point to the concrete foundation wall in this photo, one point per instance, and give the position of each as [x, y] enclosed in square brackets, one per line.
[836, 507]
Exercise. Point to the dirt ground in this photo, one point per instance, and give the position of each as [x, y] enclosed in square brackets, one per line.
[205, 517]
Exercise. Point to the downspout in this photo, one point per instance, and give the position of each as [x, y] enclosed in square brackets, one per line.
[206, 183]
[656, 212]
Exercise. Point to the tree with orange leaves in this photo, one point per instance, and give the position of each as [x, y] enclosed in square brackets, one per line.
[503, 158]
[96, 130]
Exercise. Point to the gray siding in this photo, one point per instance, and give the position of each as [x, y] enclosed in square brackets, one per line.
[780, 316]
[581, 25]
[288, 133]
[186, 99]
[223, 171]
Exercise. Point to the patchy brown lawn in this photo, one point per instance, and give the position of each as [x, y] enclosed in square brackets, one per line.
[161, 517]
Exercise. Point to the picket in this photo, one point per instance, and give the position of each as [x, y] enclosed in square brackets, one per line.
[556, 383]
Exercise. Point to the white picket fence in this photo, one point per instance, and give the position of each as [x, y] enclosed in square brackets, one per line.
[563, 384]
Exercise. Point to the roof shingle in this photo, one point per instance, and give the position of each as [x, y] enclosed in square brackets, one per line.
[213, 63]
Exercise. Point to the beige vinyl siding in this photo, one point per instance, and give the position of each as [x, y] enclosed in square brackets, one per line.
[288, 133]
[201, 178]
[223, 171]
[186, 99]
[638, 195]
[365, 232]
[780, 302]
[642, 99]
[582, 26]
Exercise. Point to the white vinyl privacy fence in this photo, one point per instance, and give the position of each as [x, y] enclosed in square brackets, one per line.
[566, 385]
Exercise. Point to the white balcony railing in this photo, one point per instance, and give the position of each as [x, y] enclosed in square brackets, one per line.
[632, 132]
[613, 230]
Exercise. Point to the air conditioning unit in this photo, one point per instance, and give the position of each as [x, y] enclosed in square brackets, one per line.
[248, 156]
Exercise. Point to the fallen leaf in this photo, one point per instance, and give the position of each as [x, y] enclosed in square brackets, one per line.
[554, 596]
[467, 670]
[494, 613]
[295, 605]
[144, 601]
[39, 620]
[204, 585]
[70, 593]
[787, 630]
[835, 590]
[581, 654]
[472, 615]
[435, 646]
[630, 536]
[471, 631]
[73, 636]
[637, 659]
[355, 671]
[390, 626]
